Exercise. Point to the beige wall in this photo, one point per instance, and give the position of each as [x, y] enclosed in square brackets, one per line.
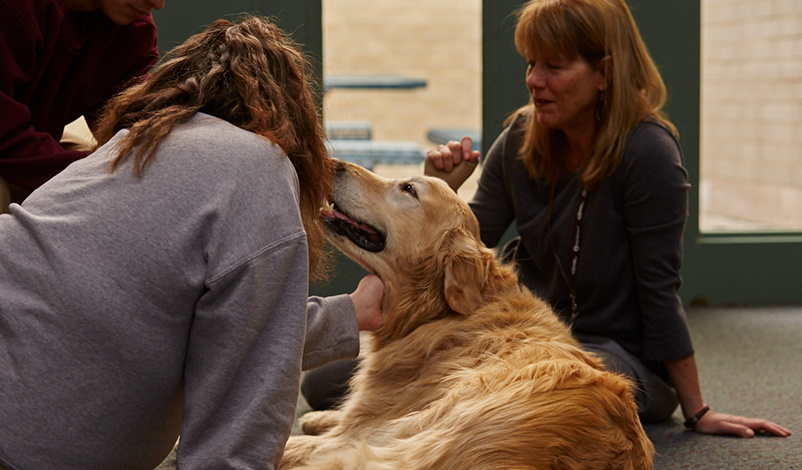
[437, 40]
[751, 146]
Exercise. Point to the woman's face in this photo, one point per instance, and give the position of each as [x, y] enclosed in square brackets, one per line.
[565, 92]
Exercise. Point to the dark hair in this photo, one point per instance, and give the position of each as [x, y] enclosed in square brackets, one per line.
[247, 73]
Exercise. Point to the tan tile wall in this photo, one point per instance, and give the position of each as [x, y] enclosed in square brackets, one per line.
[436, 40]
[751, 146]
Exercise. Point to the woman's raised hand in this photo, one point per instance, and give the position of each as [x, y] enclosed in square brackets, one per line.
[446, 162]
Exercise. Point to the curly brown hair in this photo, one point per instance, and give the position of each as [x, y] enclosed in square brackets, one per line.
[247, 73]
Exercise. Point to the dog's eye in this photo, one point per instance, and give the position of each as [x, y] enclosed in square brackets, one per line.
[408, 188]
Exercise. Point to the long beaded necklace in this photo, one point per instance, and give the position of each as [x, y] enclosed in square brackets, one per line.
[570, 280]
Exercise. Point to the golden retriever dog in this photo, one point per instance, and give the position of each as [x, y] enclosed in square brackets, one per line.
[469, 370]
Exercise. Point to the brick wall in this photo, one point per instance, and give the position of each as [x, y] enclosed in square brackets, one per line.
[751, 117]
[436, 40]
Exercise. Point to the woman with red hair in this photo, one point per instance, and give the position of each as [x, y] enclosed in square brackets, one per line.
[592, 175]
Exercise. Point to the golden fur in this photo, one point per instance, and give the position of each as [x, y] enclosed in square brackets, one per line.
[469, 370]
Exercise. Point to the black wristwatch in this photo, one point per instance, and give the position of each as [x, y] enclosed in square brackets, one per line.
[690, 423]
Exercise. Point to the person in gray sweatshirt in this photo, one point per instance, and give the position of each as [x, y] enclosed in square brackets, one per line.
[159, 286]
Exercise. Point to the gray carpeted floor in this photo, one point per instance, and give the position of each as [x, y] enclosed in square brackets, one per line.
[750, 363]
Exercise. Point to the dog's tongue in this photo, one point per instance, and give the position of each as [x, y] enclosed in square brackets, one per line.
[334, 213]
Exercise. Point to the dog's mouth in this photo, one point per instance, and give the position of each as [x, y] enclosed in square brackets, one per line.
[361, 234]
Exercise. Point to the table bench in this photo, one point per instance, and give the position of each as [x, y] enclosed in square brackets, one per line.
[369, 153]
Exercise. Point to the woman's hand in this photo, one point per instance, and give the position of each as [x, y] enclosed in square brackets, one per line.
[720, 423]
[685, 376]
[444, 162]
[367, 299]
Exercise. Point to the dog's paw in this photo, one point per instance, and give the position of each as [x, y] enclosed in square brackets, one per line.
[315, 423]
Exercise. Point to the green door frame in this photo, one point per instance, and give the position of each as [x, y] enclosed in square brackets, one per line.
[718, 269]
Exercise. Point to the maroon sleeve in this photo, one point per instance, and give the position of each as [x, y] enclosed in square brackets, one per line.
[21, 146]
[138, 40]
[30, 153]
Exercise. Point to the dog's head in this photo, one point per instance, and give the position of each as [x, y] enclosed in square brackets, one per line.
[415, 233]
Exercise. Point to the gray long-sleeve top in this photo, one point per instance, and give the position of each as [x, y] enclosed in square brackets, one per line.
[627, 274]
[132, 309]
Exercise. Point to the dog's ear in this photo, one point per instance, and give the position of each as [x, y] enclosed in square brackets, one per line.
[467, 269]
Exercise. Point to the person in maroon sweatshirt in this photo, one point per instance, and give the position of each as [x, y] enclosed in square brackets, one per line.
[59, 60]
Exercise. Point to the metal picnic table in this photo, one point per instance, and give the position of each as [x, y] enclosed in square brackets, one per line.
[373, 82]
[351, 141]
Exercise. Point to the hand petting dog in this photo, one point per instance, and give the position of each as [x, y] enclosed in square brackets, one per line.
[367, 300]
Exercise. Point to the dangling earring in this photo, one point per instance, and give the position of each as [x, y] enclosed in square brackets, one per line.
[601, 107]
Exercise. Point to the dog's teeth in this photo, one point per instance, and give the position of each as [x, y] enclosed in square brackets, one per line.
[327, 208]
